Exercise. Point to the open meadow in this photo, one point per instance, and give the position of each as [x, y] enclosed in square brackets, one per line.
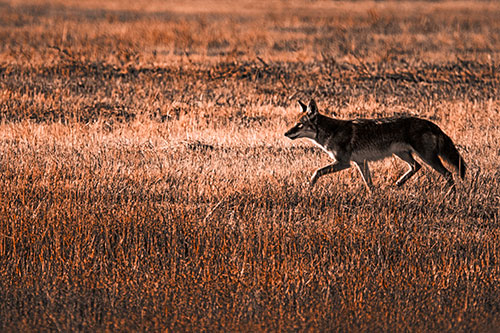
[146, 184]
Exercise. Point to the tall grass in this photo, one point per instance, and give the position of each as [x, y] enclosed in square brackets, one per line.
[145, 182]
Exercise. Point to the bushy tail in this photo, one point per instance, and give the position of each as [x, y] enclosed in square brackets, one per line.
[450, 154]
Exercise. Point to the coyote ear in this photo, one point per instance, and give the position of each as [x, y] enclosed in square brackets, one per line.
[303, 106]
[313, 108]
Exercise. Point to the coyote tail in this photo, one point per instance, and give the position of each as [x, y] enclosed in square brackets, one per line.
[450, 154]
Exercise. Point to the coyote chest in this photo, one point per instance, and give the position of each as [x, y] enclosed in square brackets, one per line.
[330, 151]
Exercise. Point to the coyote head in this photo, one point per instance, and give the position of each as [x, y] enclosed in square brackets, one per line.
[307, 126]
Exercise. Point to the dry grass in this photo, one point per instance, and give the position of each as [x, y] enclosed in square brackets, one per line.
[145, 182]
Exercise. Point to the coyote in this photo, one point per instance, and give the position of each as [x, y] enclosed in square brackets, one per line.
[364, 140]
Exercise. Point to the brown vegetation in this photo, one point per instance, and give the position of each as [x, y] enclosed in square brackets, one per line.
[145, 182]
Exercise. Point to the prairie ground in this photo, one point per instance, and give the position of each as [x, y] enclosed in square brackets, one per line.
[145, 182]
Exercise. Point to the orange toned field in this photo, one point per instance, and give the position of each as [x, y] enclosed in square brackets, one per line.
[145, 182]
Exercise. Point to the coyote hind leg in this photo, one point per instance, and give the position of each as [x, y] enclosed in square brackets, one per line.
[434, 161]
[414, 167]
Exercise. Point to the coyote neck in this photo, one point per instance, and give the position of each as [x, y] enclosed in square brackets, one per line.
[328, 127]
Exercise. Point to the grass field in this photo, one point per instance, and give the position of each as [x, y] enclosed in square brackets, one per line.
[145, 182]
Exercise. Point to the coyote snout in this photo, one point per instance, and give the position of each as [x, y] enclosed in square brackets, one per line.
[364, 140]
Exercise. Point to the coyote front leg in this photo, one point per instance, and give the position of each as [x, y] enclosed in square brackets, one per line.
[365, 174]
[337, 166]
